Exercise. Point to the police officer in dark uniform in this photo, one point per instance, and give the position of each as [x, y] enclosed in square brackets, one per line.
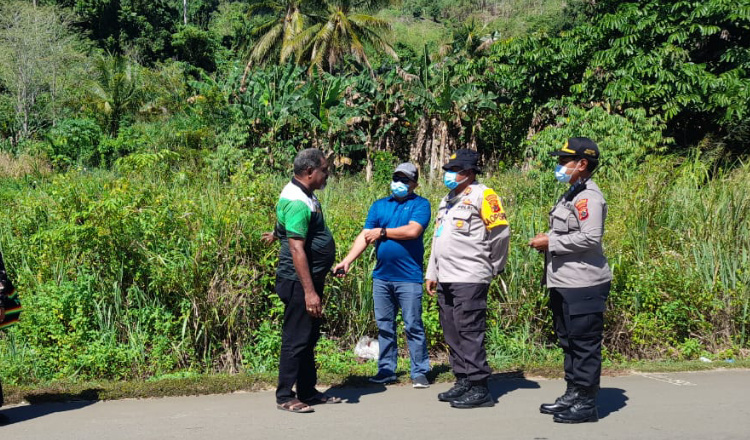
[578, 278]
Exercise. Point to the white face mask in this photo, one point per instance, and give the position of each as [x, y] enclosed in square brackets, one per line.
[449, 179]
[561, 172]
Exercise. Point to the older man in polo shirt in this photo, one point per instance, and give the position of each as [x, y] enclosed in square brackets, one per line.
[395, 225]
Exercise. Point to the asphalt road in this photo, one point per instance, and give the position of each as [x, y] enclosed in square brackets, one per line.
[701, 405]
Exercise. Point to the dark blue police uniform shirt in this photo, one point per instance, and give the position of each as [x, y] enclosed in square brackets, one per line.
[399, 260]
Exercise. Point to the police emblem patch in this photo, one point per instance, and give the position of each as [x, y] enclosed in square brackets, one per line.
[494, 202]
[583, 209]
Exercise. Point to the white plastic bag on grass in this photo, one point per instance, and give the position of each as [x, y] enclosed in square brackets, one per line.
[367, 348]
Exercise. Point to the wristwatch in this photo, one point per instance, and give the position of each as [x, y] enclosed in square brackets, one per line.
[383, 233]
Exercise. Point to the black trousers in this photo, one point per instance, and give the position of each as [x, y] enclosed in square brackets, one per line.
[578, 317]
[463, 316]
[300, 332]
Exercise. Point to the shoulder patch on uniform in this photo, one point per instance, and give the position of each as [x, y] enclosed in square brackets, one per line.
[467, 201]
[583, 208]
[467, 191]
[494, 202]
[493, 214]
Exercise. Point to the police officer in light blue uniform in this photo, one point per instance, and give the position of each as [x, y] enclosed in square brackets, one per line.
[578, 278]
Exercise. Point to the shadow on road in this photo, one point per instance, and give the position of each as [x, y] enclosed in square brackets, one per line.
[91, 394]
[611, 400]
[353, 388]
[35, 410]
[43, 404]
[500, 384]
[503, 383]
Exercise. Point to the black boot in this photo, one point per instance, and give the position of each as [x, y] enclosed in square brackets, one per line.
[583, 409]
[561, 403]
[462, 385]
[478, 396]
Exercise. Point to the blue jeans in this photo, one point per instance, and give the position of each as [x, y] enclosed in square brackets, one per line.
[388, 296]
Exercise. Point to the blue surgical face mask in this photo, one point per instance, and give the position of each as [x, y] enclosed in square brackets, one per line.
[561, 173]
[399, 189]
[449, 179]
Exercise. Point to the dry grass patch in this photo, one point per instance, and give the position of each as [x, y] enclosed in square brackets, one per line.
[23, 165]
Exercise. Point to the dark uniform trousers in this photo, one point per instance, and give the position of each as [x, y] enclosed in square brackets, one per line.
[578, 316]
[463, 316]
[300, 332]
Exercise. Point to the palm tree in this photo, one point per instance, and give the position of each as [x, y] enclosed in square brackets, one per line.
[341, 31]
[115, 90]
[287, 22]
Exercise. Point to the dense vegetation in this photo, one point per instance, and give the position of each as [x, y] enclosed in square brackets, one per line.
[143, 145]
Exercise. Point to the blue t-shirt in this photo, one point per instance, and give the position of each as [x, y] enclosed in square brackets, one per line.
[399, 260]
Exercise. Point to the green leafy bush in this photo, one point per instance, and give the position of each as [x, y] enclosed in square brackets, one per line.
[624, 141]
[195, 46]
[75, 141]
[134, 275]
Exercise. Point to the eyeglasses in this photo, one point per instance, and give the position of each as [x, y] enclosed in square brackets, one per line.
[401, 178]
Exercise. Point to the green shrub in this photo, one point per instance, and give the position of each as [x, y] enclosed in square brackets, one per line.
[75, 141]
[195, 46]
[161, 269]
[262, 353]
[624, 141]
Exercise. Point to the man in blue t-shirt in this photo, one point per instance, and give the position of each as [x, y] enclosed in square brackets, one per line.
[395, 225]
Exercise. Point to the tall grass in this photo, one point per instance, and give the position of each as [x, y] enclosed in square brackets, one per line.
[143, 274]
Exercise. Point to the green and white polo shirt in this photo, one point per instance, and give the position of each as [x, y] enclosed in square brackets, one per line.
[299, 215]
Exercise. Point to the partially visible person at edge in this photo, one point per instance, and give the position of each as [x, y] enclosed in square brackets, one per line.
[469, 248]
[578, 278]
[395, 225]
[9, 311]
[306, 255]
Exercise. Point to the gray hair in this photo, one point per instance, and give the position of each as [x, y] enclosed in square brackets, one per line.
[307, 158]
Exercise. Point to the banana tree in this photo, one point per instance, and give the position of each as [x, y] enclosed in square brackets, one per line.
[383, 113]
[328, 114]
[453, 106]
[277, 108]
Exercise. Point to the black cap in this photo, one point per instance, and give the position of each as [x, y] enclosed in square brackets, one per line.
[580, 147]
[465, 159]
